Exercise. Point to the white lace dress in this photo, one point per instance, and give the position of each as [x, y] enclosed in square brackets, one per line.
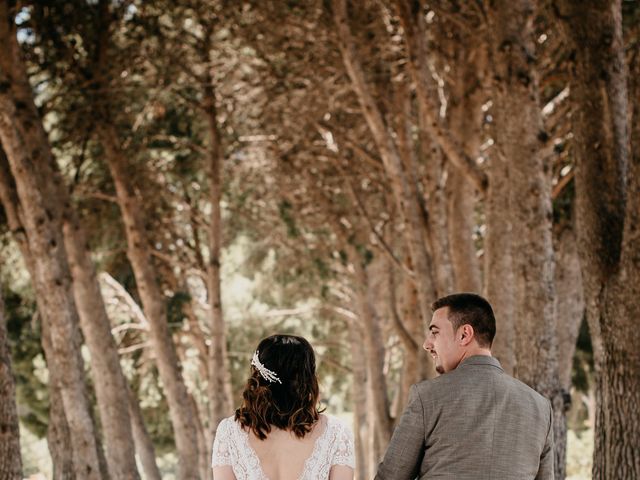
[333, 447]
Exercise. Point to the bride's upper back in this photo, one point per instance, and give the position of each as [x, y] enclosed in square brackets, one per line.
[282, 455]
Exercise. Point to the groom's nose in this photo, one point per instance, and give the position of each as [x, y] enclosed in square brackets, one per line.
[427, 345]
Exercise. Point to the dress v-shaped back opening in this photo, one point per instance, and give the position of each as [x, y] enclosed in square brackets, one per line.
[314, 451]
[333, 446]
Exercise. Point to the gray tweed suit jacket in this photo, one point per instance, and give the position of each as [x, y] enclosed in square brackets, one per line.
[473, 423]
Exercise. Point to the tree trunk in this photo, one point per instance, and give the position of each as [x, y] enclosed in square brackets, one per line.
[359, 394]
[498, 257]
[58, 436]
[26, 146]
[219, 388]
[465, 119]
[608, 220]
[498, 271]
[110, 383]
[181, 413]
[407, 327]
[10, 457]
[519, 138]
[144, 445]
[437, 219]
[569, 303]
[428, 192]
[461, 225]
[405, 198]
[375, 350]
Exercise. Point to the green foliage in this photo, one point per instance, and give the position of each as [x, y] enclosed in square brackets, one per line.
[286, 215]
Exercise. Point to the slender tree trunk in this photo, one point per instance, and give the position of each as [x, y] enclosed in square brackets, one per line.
[498, 270]
[608, 220]
[219, 389]
[461, 225]
[465, 119]
[437, 218]
[143, 443]
[570, 304]
[204, 446]
[58, 435]
[374, 347]
[359, 394]
[405, 198]
[520, 138]
[180, 409]
[110, 384]
[26, 146]
[10, 456]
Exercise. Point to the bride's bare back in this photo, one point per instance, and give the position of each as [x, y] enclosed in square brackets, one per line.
[282, 455]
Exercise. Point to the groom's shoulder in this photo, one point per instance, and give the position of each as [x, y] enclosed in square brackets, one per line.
[431, 386]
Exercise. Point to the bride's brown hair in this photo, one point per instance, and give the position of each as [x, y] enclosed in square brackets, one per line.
[290, 405]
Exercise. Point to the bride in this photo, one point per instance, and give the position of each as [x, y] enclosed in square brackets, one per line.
[278, 432]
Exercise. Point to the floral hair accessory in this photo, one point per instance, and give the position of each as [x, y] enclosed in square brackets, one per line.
[269, 375]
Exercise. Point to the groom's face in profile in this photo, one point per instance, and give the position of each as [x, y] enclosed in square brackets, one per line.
[441, 342]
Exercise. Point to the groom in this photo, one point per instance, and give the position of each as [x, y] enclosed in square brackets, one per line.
[474, 421]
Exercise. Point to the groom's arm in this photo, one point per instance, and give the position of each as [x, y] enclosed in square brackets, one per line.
[406, 449]
[546, 470]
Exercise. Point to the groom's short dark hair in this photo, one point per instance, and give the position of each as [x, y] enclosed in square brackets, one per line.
[472, 309]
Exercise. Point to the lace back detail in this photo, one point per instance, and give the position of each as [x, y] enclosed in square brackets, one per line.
[333, 447]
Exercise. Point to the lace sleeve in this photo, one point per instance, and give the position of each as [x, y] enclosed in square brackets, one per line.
[223, 448]
[344, 453]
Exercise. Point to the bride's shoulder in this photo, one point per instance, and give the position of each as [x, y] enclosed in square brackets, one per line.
[227, 425]
[337, 423]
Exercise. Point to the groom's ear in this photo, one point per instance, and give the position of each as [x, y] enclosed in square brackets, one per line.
[466, 334]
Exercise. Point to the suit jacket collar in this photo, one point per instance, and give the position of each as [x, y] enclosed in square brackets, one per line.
[481, 360]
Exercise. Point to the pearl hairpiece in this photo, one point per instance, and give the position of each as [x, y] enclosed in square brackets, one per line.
[268, 375]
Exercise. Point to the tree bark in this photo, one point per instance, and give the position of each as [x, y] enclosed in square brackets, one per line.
[219, 388]
[437, 216]
[144, 445]
[26, 146]
[58, 436]
[374, 347]
[10, 456]
[359, 398]
[498, 270]
[154, 306]
[465, 119]
[608, 221]
[405, 199]
[110, 383]
[570, 304]
[519, 139]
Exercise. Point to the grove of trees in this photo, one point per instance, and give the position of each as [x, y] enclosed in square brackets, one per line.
[180, 178]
